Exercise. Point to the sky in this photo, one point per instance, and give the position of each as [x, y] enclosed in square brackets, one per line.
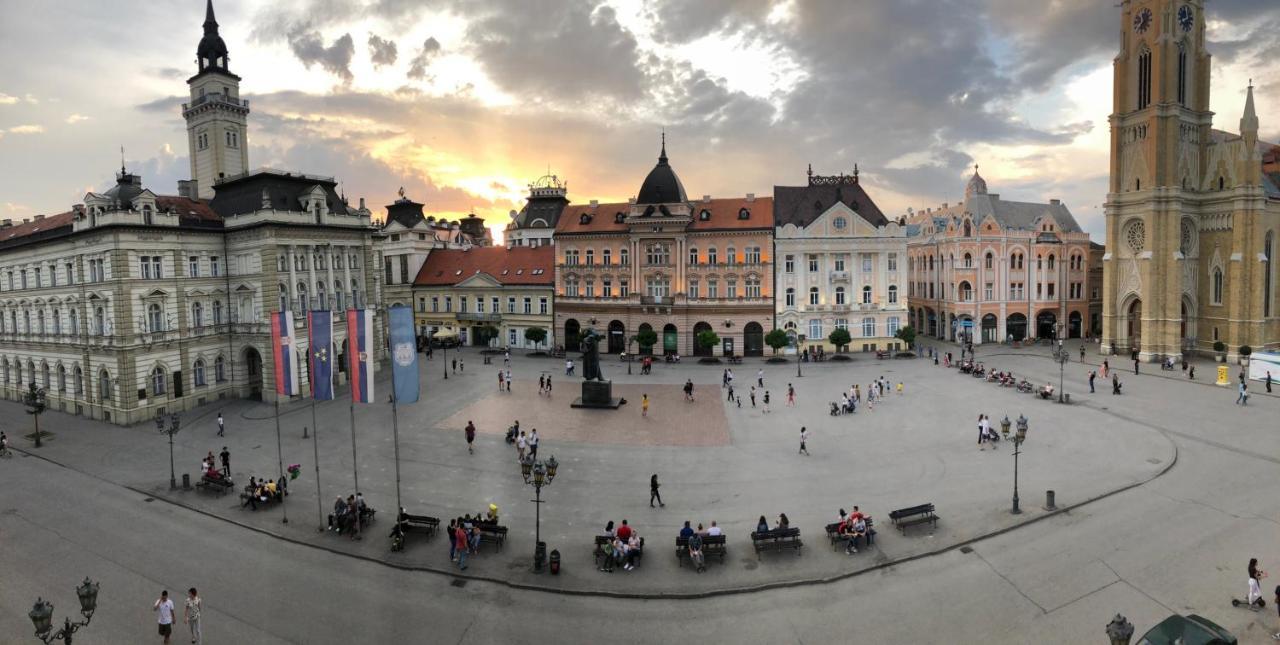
[465, 102]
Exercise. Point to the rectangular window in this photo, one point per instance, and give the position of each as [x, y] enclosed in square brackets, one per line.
[733, 289]
[591, 292]
[493, 304]
[842, 323]
[1049, 290]
[813, 295]
[480, 305]
[839, 263]
[448, 303]
[607, 289]
[790, 264]
[693, 290]
[542, 305]
[866, 263]
[815, 328]
[144, 268]
[893, 261]
[813, 263]
[623, 288]
[53, 275]
[711, 256]
[606, 257]
[215, 266]
[511, 337]
[752, 254]
[36, 275]
[571, 258]
[713, 289]
[193, 267]
[528, 302]
[511, 305]
[591, 257]
[435, 303]
[868, 327]
[155, 267]
[24, 278]
[462, 304]
[987, 292]
[422, 305]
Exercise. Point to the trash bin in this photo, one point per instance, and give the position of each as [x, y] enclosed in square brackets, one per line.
[539, 556]
[554, 562]
[186, 481]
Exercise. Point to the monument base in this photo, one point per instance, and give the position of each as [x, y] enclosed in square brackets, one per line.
[597, 395]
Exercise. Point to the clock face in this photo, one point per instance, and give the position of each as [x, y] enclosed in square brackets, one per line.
[1186, 18]
[1142, 21]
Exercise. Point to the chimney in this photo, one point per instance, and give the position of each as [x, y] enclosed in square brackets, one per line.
[361, 203]
[26, 221]
[706, 199]
[595, 203]
[6, 223]
[187, 188]
[1055, 202]
[37, 218]
[751, 197]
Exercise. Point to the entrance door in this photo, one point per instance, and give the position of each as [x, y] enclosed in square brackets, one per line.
[699, 350]
[753, 340]
[669, 338]
[253, 367]
[617, 337]
[1016, 326]
[646, 327]
[989, 329]
[1074, 323]
[1046, 325]
[726, 346]
[1135, 325]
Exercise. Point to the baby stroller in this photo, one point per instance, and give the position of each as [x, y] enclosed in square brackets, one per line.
[835, 409]
[513, 433]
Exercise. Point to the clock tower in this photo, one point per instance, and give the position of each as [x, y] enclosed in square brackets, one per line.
[1160, 131]
[217, 118]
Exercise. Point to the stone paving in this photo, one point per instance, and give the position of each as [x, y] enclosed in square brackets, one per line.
[715, 460]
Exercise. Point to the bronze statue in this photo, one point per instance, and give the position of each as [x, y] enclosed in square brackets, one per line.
[591, 357]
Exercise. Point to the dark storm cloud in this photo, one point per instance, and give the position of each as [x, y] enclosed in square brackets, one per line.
[418, 67]
[309, 47]
[381, 52]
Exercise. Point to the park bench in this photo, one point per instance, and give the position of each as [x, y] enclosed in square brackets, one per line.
[734, 360]
[248, 493]
[776, 540]
[922, 514]
[711, 545]
[882, 354]
[833, 533]
[409, 523]
[492, 532]
[218, 485]
[602, 540]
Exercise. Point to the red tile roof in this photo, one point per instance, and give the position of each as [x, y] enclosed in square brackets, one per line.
[722, 215]
[47, 224]
[189, 211]
[520, 265]
[187, 208]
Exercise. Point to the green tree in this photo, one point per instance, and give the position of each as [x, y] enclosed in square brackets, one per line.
[647, 338]
[840, 338]
[777, 339]
[907, 335]
[535, 335]
[707, 339]
[486, 333]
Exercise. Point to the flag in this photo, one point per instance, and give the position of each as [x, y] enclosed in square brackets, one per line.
[360, 354]
[282, 347]
[404, 354]
[320, 343]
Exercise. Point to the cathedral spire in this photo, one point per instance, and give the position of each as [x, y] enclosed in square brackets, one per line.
[1249, 122]
[211, 54]
[662, 156]
[210, 23]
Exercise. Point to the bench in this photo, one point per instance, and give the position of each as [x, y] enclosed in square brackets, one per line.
[776, 540]
[922, 514]
[833, 533]
[409, 523]
[735, 360]
[491, 532]
[602, 540]
[219, 485]
[711, 545]
[882, 354]
[248, 493]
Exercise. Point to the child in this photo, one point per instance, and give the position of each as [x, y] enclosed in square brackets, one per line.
[644, 405]
[804, 436]
[899, 388]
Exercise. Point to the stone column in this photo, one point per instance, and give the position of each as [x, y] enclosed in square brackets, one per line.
[292, 287]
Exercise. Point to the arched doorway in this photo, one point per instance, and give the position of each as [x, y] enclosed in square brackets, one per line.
[253, 367]
[753, 340]
[1015, 326]
[646, 327]
[1075, 323]
[932, 322]
[1134, 324]
[669, 339]
[699, 350]
[989, 328]
[1188, 324]
[951, 326]
[1045, 324]
[617, 337]
[964, 329]
[342, 358]
[571, 340]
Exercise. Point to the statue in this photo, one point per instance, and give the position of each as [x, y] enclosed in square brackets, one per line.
[591, 357]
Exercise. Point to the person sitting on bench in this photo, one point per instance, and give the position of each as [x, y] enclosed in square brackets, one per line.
[1046, 392]
[695, 552]
[339, 509]
[687, 531]
[492, 516]
[762, 526]
[783, 522]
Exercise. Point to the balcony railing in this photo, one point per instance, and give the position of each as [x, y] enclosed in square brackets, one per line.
[657, 300]
[839, 276]
[482, 317]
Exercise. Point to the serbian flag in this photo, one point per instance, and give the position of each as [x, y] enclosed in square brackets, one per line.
[360, 354]
[404, 354]
[282, 347]
[320, 343]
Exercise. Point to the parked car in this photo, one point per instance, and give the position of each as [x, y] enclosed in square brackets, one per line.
[1187, 630]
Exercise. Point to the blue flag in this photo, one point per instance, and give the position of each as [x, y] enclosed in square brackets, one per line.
[404, 354]
[320, 346]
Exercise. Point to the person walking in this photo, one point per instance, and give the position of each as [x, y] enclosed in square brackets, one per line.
[164, 615]
[542, 384]
[191, 615]
[982, 434]
[1243, 397]
[1092, 375]
[1268, 381]
[1081, 352]
[1191, 373]
[753, 397]
[791, 395]
[221, 424]
[455, 366]
[500, 381]
[760, 378]
[730, 392]
[533, 443]
[470, 433]
[766, 401]
[644, 405]
[653, 491]
[225, 455]
[1106, 368]
[1115, 384]
[804, 437]
[522, 445]
[1135, 366]
[462, 367]
[508, 381]
[548, 386]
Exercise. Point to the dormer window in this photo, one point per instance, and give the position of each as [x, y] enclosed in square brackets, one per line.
[619, 217]
[584, 219]
[705, 215]
[744, 213]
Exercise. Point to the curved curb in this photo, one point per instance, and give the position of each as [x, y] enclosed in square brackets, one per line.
[697, 595]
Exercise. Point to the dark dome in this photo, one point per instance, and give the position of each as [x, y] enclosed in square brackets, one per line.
[211, 53]
[128, 186]
[662, 186]
[212, 47]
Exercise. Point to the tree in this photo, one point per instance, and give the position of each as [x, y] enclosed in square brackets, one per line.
[840, 338]
[535, 335]
[647, 338]
[907, 335]
[486, 333]
[708, 339]
[36, 405]
[777, 339]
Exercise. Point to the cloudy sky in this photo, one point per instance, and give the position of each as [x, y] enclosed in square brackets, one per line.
[465, 102]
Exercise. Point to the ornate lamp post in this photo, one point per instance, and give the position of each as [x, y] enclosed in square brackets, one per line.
[538, 474]
[799, 342]
[42, 615]
[1119, 630]
[36, 403]
[172, 429]
[1018, 438]
[1062, 366]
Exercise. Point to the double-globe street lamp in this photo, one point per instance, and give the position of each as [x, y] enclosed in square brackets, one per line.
[174, 422]
[538, 474]
[42, 615]
[1019, 436]
[36, 401]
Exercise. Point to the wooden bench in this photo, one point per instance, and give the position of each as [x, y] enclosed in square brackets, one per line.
[602, 540]
[776, 540]
[219, 485]
[833, 533]
[735, 360]
[248, 492]
[882, 354]
[409, 523]
[711, 545]
[922, 514]
[491, 532]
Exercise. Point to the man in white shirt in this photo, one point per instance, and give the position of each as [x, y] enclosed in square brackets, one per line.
[164, 612]
[714, 530]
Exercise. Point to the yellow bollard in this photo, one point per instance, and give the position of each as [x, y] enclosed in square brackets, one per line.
[1222, 375]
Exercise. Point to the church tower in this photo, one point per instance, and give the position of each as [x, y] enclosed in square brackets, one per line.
[1160, 130]
[217, 119]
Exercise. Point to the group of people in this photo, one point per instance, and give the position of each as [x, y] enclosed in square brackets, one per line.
[694, 543]
[209, 468]
[986, 435]
[165, 615]
[526, 446]
[464, 535]
[263, 491]
[852, 527]
[762, 526]
[876, 390]
[349, 516]
[504, 380]
[623, 548]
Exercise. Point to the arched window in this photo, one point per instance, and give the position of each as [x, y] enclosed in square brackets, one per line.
[968, 259]
[813, 295]
[284, 298]
[197, 314]
[1051, 259]
[731, 255]
[338, 295]
[988, 260]
[62, 378]
[1182, 73]
[866, 295]
[693, 255]
[155, 318]
[711, 256]
[104, 385]
[44, 375]
[40, 322]
[1217, 286]
[893, 294]
[77, 381]
[219, 369]
[1144, 79]
[791, 297]
[322, 299]
[57, 322]
[197, 372]
[302, 297]
[157, 381]
[100, 321]
[1268, 271]
[839, 295]
[968, 230]
[75, 322]
[624, 257]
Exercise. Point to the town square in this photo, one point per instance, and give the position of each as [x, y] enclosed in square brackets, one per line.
[599, 321]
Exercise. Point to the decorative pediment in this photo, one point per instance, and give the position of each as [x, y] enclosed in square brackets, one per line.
[479, 280]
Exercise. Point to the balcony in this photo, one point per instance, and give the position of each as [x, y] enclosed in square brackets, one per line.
[839, 276]
[657, 300]
[479, 317]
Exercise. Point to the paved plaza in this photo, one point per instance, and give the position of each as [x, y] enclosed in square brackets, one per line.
[1162, 495]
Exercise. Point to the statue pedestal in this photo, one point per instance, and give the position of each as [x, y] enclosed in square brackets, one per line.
[597, 395]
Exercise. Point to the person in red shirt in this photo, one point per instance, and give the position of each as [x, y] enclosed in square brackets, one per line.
[624, 531]
[460, 543]
[855, 515]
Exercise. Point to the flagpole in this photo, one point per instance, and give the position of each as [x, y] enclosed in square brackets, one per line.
[315, 445]
[280, 457]
[355, 464]
[395, 414]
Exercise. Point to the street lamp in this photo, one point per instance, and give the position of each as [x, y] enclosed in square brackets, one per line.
[799, 342]
[1119, 630]
[1018, 438]
[172, 429]
[538, 474]
[36, 404]
[1062, 366]
[42, 615]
